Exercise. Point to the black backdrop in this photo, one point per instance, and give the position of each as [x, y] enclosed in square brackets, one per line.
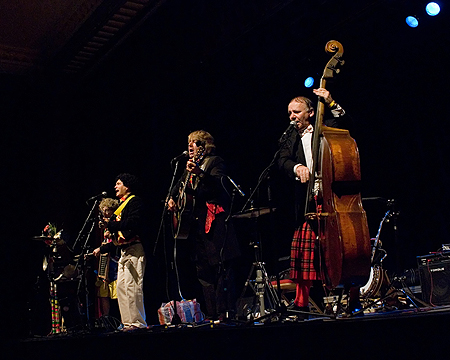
[231, 70]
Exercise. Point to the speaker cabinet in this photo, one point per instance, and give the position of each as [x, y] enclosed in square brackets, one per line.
[435, 281]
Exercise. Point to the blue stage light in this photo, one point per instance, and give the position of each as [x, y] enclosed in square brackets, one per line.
[412, 21]
[432, 9]
[309, 82]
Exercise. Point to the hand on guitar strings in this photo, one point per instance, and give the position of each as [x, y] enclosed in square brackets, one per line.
[102, 224]
[171, 205]
[192, 167]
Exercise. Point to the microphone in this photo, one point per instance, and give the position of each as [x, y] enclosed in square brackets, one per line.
[236, 186]
[183, 155]
[102, 195]
[287, 131]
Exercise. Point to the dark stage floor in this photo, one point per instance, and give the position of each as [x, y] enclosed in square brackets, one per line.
[416, 333]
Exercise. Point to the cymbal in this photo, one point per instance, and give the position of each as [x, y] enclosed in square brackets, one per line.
[253, 213]
[42, 238]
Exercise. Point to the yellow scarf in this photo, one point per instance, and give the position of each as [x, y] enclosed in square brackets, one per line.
[120, 208]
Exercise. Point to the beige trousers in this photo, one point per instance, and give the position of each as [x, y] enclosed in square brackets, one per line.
[130, 284]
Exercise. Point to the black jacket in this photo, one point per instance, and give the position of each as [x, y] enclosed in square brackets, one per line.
[220, 243]
[130, 223]
[291, 154]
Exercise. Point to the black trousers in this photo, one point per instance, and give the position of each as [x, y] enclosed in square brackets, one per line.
[218, 287]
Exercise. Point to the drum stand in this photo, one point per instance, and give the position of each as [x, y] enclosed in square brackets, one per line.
[378, 255]
[391, 292]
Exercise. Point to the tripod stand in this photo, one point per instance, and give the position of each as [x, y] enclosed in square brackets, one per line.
[262, 288]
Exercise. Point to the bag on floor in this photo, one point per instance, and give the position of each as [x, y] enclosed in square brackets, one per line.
[188, 311]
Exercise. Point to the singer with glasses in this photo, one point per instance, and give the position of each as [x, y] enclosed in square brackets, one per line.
[212, 241]
[126, 226]
[295, 161]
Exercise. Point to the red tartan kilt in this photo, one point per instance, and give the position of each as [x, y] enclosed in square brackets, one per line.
[303, 253]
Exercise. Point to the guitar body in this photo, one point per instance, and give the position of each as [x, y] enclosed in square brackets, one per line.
[182, 217]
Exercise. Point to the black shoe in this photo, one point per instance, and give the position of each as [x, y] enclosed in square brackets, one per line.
[298, 308]
[303, 311]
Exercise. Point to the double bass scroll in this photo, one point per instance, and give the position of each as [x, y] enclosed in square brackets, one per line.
[337, 49]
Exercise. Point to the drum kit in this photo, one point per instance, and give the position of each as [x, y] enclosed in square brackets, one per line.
[62, 275]
[380, 292]
[58, 261]
[68, 273]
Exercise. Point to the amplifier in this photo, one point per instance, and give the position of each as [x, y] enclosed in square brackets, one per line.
[439, 257]
[434, 273]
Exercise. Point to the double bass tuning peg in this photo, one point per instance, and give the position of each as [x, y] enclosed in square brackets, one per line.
[335, 69]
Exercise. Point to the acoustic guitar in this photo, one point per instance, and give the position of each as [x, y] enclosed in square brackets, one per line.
[182, 216]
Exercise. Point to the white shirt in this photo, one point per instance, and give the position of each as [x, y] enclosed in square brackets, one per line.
[306, 142]
[306, 138]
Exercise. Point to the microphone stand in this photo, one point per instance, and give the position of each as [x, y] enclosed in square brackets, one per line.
[89, 218]
[262, 284]
[176, 318]
[281, 142]
[161, 224]
[84, 308]
[223, 269]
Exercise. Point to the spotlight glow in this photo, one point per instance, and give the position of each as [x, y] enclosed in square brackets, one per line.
[412, 21]
[309, 82]
[433, 9]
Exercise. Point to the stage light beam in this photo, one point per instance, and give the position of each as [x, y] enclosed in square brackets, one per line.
[412, 21]
[432, 9]
[309, 82]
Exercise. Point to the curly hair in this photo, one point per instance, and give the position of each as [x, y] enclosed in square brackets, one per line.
[130, 181]
[205, 138]
[109, 203]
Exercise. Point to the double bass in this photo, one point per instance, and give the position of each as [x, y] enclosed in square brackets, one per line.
[333, 205]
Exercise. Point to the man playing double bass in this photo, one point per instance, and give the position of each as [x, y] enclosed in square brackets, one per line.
[295, 160]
